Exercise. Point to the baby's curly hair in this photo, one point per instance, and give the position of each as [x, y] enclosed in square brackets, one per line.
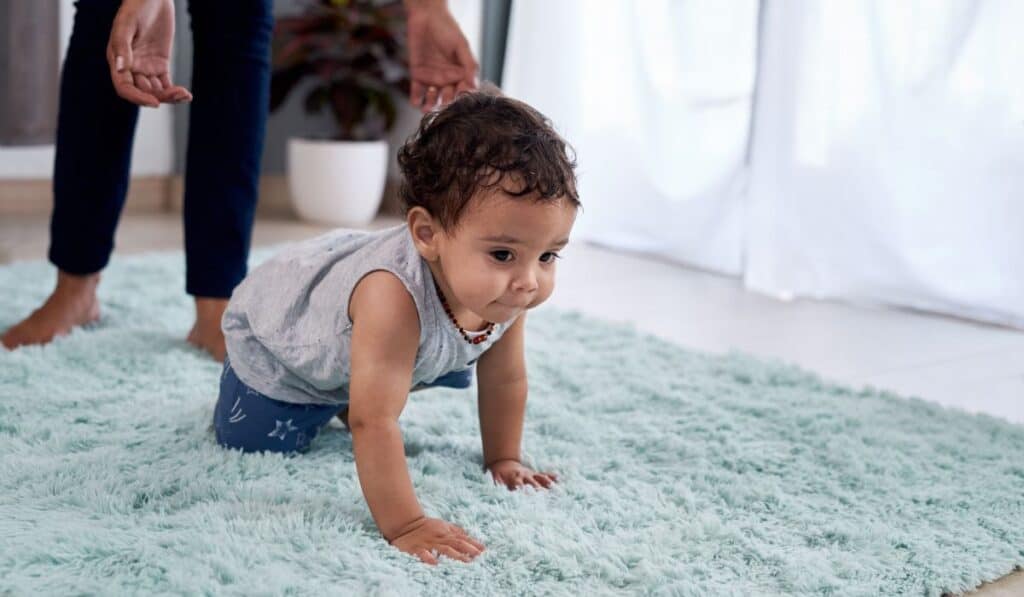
[483, 140]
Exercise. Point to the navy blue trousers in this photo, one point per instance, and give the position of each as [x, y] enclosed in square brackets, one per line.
[247, 420]
[227, 121]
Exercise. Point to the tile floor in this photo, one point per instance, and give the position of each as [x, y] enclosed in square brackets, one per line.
[954, 362]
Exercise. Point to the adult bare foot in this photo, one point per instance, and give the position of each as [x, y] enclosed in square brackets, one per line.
[206, 333]
[72, 303]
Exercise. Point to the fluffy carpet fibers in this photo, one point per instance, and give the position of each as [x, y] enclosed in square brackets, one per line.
[682, 474]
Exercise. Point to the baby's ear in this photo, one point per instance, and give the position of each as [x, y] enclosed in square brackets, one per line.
[425, 232]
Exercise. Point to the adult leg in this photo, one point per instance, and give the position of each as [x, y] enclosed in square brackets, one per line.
[230, 89]
[95, 129]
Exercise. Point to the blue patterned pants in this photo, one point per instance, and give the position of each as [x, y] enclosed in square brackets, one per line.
[247, 420]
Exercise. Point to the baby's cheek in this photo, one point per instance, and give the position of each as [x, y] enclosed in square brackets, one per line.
[542, 294]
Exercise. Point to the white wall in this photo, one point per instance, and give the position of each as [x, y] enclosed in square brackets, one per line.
[151, 156]
[470, 16]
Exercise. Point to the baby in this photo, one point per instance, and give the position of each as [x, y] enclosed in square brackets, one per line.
[349, 323]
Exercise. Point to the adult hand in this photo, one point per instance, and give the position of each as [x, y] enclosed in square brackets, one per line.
[428, 538]
[139, 53]
[440, 62]
[512, 474]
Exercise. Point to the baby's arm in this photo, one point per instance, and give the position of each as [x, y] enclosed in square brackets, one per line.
[501, 399]
[385, 338]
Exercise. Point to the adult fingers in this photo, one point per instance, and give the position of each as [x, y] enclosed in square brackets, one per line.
[446, 82]
[464, 87]
[171, 96]
[119, 46]
[447, 94]
[183, 95]
[120, 59]
[175, 93]
[124, 85]
[430, 98]
[156, 85]
[142, 83]
[416, 93]
[180, 94]
[438, 76]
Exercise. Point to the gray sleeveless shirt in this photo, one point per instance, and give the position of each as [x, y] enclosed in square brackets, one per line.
[287, 328]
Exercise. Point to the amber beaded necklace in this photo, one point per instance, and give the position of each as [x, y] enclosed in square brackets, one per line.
[471, 339]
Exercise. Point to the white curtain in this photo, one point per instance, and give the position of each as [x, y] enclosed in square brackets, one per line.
[656, 97]
[883, 160]
[888, 155]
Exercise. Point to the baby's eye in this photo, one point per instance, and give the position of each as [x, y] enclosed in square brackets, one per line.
[549, 257]
[502, 255]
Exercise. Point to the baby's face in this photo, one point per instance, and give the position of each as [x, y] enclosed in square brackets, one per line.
[500, 260]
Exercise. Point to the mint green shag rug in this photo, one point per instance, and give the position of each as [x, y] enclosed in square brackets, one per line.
[682, 474]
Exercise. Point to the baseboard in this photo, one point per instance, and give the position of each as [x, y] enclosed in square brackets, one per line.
[146, 194]
[275, 199]
[159, 194]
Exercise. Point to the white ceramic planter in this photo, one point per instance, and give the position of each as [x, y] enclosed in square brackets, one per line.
[337, 182]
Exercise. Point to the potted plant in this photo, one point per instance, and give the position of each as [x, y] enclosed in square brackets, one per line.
[355, 52]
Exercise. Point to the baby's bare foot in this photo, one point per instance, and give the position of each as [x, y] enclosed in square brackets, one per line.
[206, 333]
[72, 303]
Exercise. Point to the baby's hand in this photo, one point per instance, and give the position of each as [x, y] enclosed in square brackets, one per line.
[513, 475]
[428, 538]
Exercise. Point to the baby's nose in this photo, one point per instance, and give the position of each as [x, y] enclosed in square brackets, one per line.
[525, 283]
